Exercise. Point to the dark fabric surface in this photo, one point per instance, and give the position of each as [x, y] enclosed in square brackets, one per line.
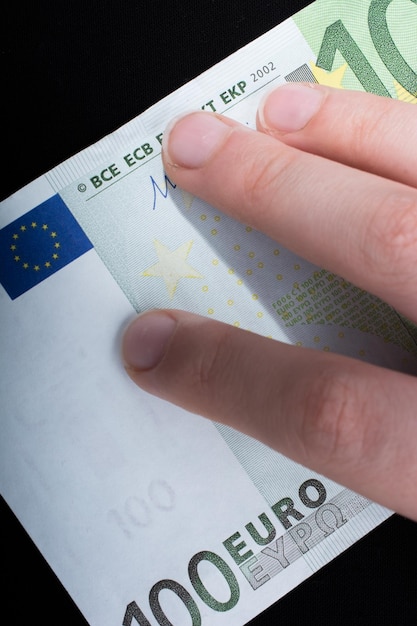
[73, 72]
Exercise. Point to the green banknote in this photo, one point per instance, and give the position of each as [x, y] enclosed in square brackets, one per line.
[368, 45]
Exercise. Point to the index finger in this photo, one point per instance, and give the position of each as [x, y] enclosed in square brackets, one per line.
[357, 224]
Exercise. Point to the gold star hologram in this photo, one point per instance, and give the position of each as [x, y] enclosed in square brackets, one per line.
[172, 265]
[403, 94]
[331, 79]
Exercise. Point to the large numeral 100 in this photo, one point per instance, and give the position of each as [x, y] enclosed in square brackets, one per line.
[133, 611]
[337, 37]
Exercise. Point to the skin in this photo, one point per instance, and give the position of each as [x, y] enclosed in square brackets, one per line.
[353, 157]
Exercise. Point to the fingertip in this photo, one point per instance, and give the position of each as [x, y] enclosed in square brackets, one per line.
[190, 140]
[146, 340]
[289, 108]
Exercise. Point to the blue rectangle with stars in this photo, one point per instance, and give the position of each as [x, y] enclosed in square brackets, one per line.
[38, 244]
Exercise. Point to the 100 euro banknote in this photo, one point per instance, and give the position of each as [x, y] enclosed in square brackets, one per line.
[117, 473]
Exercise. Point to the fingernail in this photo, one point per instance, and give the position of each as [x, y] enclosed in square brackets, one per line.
[191, 140]
[290, 107]
[146, 339]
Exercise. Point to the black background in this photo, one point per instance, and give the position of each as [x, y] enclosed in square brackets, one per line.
[72, 72]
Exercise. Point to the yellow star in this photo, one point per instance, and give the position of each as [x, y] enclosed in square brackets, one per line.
[172, 265]
[404, 95]
[331, 79]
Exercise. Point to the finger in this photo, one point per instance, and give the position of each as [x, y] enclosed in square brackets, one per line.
[350, 421]
[356, 224]
[365, 131]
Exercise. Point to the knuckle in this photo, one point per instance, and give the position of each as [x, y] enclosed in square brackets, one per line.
[333, 428]
[211, 365]
[366, 134]
[265, 173]
[390, 245]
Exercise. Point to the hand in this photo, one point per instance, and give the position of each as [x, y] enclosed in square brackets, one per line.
[352, 157]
